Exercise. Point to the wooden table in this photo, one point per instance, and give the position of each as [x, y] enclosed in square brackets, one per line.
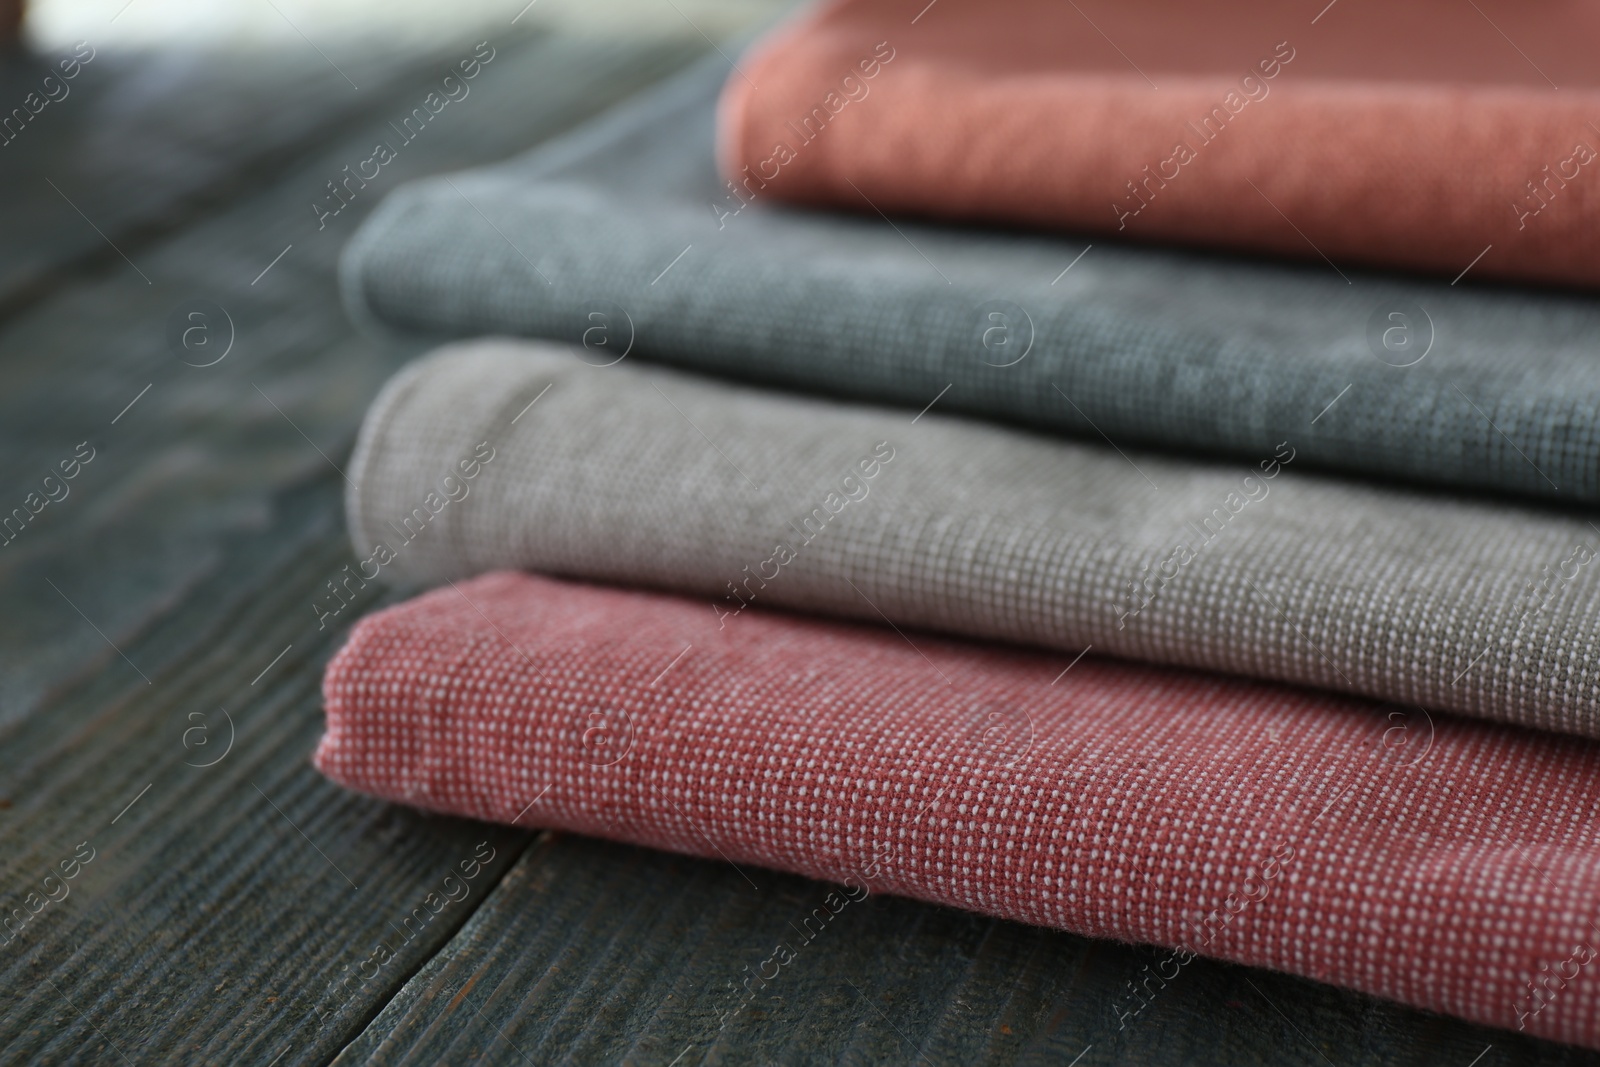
[161, 662]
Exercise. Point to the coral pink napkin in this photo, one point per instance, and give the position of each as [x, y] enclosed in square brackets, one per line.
[1448, 864]
[1421, 135]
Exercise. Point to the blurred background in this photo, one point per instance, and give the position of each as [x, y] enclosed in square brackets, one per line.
[183, 162]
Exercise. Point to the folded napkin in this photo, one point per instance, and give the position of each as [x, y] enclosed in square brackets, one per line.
[1446, 864]
[1423, 135]
[623, 239]
[502, 454]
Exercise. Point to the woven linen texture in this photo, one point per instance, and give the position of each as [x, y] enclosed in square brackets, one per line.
[623, 238]
[638, 475]
[1447, 864]
[1337, 138]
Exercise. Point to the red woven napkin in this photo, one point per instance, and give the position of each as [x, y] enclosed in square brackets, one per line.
[1430, 134]
[1448, 864]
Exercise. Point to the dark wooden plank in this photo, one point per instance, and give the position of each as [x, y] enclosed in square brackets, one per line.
[220, 909]
[142, 144]
[197, 453]
[230, 887]
[592, 952]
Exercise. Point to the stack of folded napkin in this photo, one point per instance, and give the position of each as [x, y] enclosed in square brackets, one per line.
[1159, 503]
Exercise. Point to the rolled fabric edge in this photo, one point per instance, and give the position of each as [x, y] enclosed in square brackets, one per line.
[1447, 873]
